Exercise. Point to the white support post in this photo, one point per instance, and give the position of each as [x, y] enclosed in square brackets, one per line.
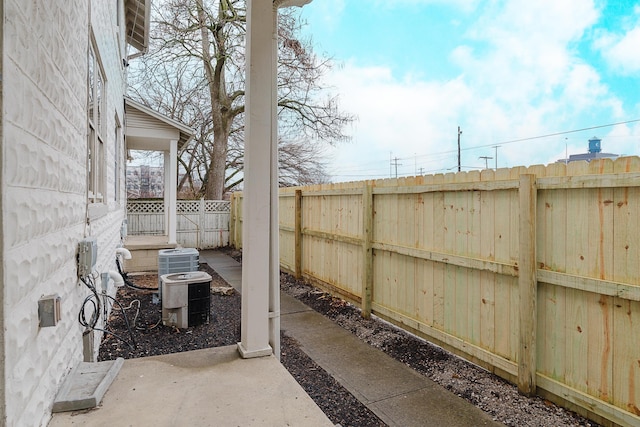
[171, 190]
[167, 196]
[260, 246]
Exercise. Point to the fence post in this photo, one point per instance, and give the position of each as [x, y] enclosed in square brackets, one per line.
[232, 221]
[201, 221]
[527, 285]
[367, 250]
[298, 234]
[235, 220]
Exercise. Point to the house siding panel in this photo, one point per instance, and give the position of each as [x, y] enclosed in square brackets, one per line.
[44, 178]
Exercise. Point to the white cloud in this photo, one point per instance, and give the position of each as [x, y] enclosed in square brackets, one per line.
[621, 51]
[402, 116]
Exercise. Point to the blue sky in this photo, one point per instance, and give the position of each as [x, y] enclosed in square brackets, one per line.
[412, 71]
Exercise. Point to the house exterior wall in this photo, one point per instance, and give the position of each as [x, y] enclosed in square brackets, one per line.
[44, 188]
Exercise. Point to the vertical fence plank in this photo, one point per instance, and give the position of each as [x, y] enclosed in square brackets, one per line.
[201, 222]
[504, 287]
[487, 278]
[527, 285]
[367, 251]
[232, 222]
[298, 234]
[439, 268]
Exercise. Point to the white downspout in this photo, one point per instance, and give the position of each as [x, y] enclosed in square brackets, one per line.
[173, 204]
[274, 252]
[167, 196]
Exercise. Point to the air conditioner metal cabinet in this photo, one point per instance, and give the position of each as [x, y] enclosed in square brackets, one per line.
[187, 298]
[181, 260]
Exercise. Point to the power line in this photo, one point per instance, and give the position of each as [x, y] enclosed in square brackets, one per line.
[370, 172]
[558, 133]
[525, 139]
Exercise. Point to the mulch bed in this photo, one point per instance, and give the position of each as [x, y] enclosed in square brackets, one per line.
[147, 336]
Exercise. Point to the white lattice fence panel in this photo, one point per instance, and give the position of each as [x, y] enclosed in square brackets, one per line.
[145, 217]
[199, 223]
[188, 207]
[217, 206]
[145, 207]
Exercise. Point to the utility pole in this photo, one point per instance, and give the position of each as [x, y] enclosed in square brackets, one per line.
[395, 163]
[486, 161]
[459, 133]
[496, 147]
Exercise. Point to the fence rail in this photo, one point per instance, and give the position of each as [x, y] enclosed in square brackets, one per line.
[200, 224]
[533, 273]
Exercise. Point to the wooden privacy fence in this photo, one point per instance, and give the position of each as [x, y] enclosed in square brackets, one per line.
[533, 273]
[200, 224]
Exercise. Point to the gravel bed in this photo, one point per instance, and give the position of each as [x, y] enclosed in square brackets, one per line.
[490, 393]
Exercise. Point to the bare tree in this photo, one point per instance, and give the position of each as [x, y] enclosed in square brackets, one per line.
[195, 73]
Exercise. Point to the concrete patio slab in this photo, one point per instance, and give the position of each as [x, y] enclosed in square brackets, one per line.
[86, 385]
[210, 387]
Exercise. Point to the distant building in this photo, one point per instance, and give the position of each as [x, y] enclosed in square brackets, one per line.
[145, 182]
[595, 152]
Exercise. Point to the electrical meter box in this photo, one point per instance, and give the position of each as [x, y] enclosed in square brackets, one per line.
[87, 256]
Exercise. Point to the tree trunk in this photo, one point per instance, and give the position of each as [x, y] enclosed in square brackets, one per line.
[216, 82]
[215, 185]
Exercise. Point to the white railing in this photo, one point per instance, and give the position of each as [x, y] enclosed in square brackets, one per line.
[200, 224]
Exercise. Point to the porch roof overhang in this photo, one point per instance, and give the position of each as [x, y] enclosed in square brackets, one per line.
[146, 129]
[137, 23]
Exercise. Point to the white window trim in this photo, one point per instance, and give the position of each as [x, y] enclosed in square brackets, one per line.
[118, 159]
[96, 124]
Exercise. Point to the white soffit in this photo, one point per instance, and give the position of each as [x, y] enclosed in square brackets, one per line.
[146, 129]
[137, 23]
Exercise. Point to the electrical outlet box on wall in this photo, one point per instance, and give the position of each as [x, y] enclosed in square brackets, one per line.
[87, 256]
[49, 310]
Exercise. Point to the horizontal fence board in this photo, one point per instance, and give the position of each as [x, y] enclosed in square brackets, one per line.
[449, 187]
[460, 261]
[597, 286]
[589, 181]
[580, 399]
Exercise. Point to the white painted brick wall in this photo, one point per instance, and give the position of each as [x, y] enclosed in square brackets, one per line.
[44, 188]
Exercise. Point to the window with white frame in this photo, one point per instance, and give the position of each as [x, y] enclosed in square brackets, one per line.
[96, 118]
[117, 161]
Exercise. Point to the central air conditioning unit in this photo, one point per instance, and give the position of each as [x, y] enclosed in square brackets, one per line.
[181, 260]
[187, 299]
